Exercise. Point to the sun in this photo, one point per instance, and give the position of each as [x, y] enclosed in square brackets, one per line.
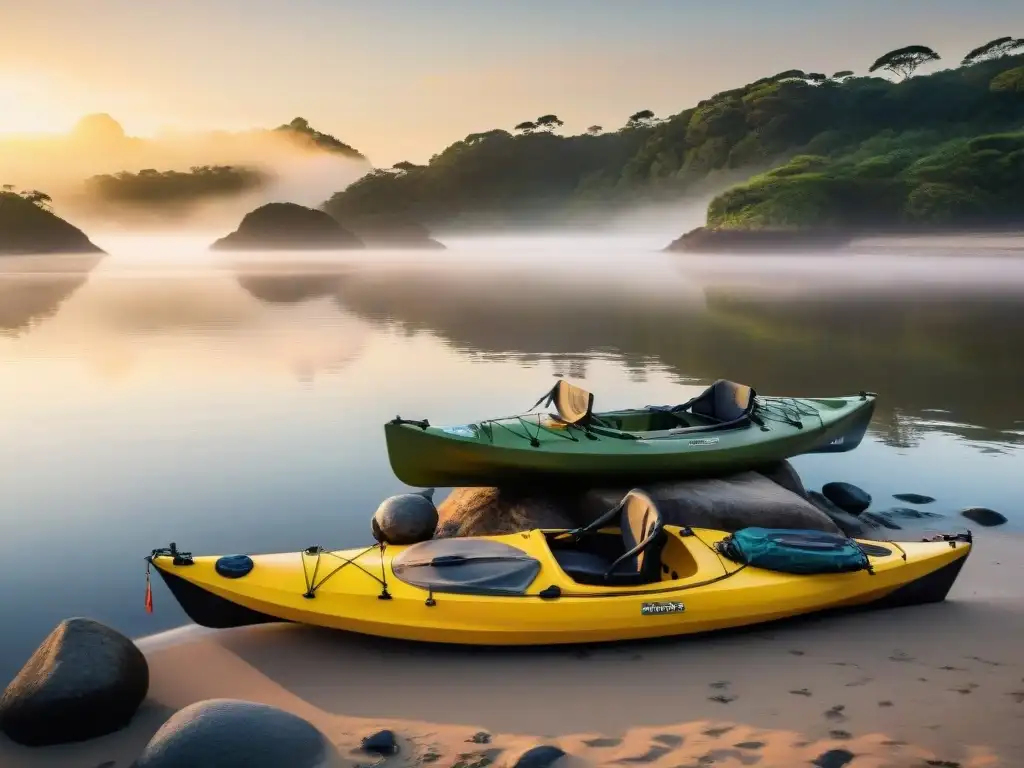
[27, 106]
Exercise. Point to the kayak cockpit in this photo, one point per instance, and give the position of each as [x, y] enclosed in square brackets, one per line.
[631, 558]
[723, 405]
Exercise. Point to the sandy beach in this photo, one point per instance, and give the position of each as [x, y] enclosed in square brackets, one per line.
[936, 685]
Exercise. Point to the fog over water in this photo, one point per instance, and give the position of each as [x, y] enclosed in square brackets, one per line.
[235, 402]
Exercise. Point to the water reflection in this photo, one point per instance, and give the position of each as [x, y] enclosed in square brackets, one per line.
[943, 361]
[32, 289]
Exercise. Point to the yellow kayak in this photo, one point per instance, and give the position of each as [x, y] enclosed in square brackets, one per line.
[626, 576]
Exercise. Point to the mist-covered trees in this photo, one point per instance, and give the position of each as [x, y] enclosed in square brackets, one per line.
[502, 176]
[153, 188]
[300, 130]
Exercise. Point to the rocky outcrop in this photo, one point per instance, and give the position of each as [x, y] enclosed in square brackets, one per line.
[230, 733]
[27, 227]
[287, 226]
[730, 503]
[706, 240]
[86, 680]
[393, 232]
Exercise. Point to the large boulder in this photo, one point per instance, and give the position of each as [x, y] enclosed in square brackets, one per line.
[27, 226]
[287, 226]
[86, 680]
[493, 511]
[730, 503]
[727, 504]
[230, 733]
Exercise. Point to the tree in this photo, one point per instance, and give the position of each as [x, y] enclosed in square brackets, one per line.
[993, 49]
[526, 127]
[640, 119]
[36, 197]
[817, 77]
[405, 165]
[903, 61]
[843, 74]
[548, 122]
[594, 130]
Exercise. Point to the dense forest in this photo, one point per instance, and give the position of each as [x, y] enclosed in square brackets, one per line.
[150, 187]
[830, 150]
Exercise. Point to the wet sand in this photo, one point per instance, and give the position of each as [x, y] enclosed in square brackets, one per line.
[936, 685]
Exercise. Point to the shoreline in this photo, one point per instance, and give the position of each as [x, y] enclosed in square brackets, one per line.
[893, 687]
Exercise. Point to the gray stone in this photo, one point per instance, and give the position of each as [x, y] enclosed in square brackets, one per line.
[726, 504]
[85, 680]
[407, 518]
[785, 474]
[910, 513]
[881, 519]
[539, 757]
[983, 516]
[847, 497]
[913, 498]
[229, 733]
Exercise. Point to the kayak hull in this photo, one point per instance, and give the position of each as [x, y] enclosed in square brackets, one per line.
[698, 599]
[501, 453]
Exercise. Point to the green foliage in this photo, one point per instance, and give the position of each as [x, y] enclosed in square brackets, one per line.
[150, 187]
[959, 183]
[1010, 81]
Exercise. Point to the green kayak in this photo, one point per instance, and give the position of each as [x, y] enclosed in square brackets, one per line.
[727, 428]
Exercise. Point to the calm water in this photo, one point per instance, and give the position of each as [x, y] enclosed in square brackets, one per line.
[162, 395]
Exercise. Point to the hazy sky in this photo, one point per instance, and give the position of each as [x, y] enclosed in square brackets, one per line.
[401, 79]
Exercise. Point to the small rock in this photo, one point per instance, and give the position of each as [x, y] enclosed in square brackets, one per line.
[983, 516]
[909, 513]
[847, 497]
[85, 680]
[913, 498]
[480, 737]
[381, 743]
[229, 733]
[834, 758]
[881, 519]
[539, 757]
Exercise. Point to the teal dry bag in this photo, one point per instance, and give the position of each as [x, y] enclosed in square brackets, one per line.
[795, 551]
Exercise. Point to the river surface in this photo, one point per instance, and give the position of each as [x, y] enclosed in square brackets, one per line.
[236, 404]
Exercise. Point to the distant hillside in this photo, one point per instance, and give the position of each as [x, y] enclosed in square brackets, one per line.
[868, 123]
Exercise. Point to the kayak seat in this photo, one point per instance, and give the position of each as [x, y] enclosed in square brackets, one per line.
[582, 566]
[575, 405]
[724, 401]
[643, 539]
